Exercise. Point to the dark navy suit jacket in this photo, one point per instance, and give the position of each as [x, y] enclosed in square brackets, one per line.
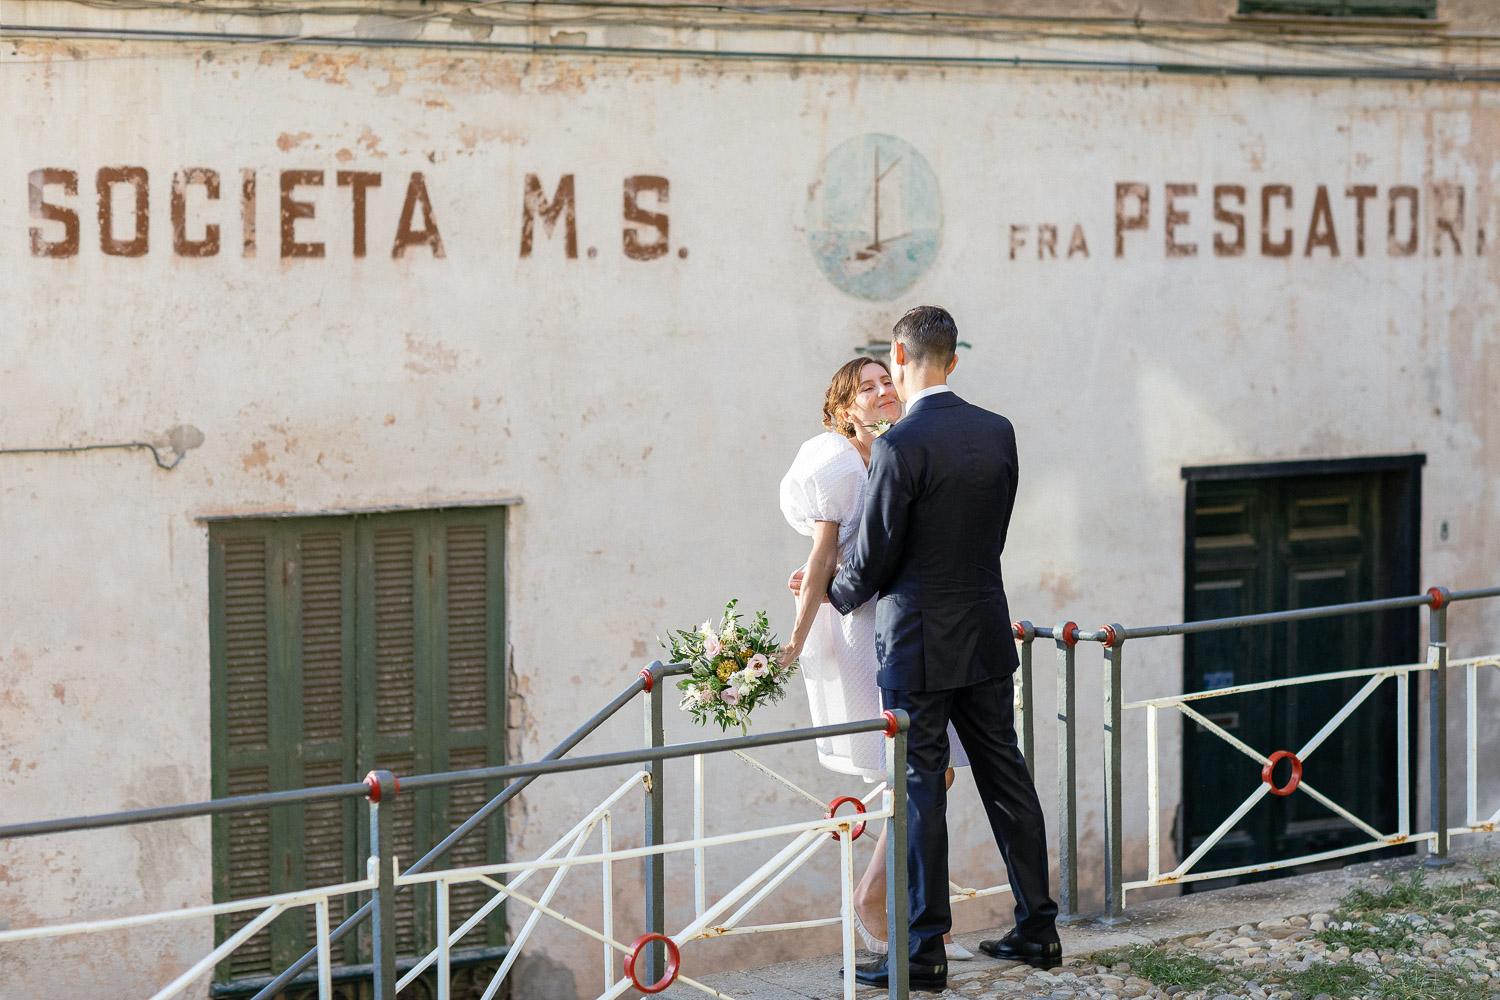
[937, 508]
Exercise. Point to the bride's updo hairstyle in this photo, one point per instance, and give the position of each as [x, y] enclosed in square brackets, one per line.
[843, 389]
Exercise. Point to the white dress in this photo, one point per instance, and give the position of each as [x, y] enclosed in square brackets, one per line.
[827, 483]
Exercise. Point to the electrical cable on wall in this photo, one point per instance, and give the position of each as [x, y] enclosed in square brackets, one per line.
[1165, 35]
[180, 439]
[1387, 71]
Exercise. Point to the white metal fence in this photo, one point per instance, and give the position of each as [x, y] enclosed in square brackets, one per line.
[1114, 640]
[648, 963]
[652, 959]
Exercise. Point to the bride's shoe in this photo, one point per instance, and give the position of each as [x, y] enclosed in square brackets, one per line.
[872, 943]
[954, 951]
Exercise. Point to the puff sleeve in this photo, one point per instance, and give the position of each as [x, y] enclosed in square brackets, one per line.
[823, 484]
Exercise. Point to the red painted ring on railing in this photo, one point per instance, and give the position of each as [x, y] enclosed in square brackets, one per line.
[373, 784]
[1439, 597]
[1070, 633]
[674, 962]
[1270, 765]
[859, 809]
[892, 724]
[1109, 635]
[1017, 631]
[650, 679]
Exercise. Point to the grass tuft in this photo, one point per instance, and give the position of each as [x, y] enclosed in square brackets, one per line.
[1339, 979]
[1428, 984]
[1413, 892]
[1389, 935]
[1163, 966]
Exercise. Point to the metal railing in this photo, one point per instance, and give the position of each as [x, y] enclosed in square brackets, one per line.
[654, 958]
[1472, 822]
[1112, 638]
[957, 893]
[647, 682]
[651, 962]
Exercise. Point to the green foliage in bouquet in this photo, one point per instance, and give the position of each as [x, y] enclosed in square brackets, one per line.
[734, 669]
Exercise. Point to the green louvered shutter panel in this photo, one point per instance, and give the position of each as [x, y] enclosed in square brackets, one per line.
[241, 612]
[393, 624]
[1343, 8]
[324, 578]
[433, 584]
[474, 701]
[283, 710]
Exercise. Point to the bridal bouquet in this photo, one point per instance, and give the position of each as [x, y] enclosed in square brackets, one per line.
[734, 669]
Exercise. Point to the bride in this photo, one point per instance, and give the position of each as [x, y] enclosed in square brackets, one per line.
[822, 496]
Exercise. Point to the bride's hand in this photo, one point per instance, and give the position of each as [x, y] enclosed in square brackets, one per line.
[788, 654]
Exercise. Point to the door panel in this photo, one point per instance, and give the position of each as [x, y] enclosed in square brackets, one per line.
[1224, 659]
[1262, 544]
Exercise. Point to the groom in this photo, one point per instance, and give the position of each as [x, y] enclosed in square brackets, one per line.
[937, 506]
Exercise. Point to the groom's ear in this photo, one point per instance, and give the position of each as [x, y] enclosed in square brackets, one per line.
[952, 364]
[898, 352]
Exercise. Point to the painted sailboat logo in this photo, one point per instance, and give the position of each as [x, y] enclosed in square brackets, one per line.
[875, 248]
[874, 218]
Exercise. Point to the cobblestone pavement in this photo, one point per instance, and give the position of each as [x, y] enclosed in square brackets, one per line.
[1409, 956]
[1388, 930]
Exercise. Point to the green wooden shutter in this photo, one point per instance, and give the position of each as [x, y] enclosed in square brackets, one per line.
[340, 645]
[474, 700]
[433, 694]
[393, 623]
[1342, 8]
[283, 668]
[240, 652]
[325, 579]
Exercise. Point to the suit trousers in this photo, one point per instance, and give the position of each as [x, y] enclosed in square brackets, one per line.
[983, 715]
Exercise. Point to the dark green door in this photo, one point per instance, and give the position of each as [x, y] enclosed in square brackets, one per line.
[1265, 543]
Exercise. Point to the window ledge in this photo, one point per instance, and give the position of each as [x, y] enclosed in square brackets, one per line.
[279, 512]
[1323, 22]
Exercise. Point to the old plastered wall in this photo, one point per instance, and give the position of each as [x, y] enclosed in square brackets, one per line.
[1471, 15]
[644, 389]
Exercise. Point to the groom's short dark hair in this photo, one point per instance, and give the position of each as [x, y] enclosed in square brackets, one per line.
[929, 335]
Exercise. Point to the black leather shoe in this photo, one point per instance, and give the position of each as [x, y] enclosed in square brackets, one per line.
[931, 978]
[1014, 948]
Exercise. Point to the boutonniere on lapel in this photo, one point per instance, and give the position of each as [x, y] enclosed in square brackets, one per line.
[879, 427]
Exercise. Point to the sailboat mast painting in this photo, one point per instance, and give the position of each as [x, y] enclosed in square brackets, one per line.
[875, 218]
